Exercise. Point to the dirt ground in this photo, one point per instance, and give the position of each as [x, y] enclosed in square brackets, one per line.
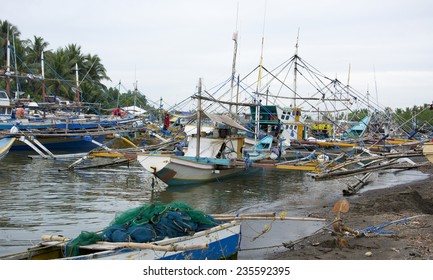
[409, 236]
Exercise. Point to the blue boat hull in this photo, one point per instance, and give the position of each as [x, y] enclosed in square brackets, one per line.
[73, 144]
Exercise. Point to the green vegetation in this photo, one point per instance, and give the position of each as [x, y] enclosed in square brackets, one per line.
[60, 73]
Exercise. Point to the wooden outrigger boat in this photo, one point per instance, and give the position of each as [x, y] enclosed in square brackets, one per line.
[219, 242]
[189, 169]
[155, 231]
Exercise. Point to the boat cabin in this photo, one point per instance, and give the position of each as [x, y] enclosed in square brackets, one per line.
[5, 105]
[277, 121]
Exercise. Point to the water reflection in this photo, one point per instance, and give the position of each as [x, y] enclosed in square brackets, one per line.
[36, 198]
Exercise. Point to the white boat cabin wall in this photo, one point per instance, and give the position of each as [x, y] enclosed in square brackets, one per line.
[5, 105]
[280, 122]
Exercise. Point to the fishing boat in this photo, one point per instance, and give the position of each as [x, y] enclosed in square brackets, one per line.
[5, 145]
[216, 160]
[219, 242]
[173, 231]
[206, 158]
[47, 142]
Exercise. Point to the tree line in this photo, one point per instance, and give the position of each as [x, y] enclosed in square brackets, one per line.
[60, 72]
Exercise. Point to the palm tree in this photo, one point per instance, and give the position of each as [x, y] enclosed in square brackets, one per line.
[60, 74]
[94, 70]
[6, 26]
[34, 50]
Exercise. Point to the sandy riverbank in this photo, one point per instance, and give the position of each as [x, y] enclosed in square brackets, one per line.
[410, 239]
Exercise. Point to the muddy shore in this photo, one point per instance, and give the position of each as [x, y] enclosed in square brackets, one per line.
[394, 223]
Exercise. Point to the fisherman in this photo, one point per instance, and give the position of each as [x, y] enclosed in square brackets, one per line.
[20, 113]
[178, 149]
[116, 112]
[166, 121]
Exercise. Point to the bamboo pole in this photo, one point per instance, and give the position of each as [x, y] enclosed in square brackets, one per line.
[216, 216]
[230, 217]
[54, 238]
[354, 171]
[370, 158]
[166, 248]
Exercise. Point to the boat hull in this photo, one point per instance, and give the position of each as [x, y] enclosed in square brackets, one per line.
[219, 242]
[5, 146]
[63, 143]
[180, 170]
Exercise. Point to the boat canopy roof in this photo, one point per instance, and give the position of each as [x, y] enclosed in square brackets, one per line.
[226, 120]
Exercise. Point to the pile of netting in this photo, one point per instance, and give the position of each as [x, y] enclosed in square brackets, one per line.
[147, 223]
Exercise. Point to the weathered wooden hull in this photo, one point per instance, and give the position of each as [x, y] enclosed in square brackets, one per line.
[220, 242]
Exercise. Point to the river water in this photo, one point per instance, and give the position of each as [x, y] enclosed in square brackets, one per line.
[37, 198]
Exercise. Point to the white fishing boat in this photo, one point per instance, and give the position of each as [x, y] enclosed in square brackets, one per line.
[206, 158]
[216, 160]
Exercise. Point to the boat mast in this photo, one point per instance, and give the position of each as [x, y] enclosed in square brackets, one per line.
[118, 95]
[347, 91]
[237, 95]
[256, 134]
[295, 71]
[17, 94]
[8, 65]
[375, 85]
[197, 155]
[135, 94]
[77, 90]
[235, 40]
[43, 76]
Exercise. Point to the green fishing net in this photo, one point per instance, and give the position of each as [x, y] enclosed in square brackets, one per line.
[147, 223]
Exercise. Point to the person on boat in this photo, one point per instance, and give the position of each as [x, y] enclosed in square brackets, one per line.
[166, 121]
[20, 113]
[116, 112]
[178, 149]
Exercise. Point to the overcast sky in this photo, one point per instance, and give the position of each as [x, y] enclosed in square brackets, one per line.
[167, 45]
